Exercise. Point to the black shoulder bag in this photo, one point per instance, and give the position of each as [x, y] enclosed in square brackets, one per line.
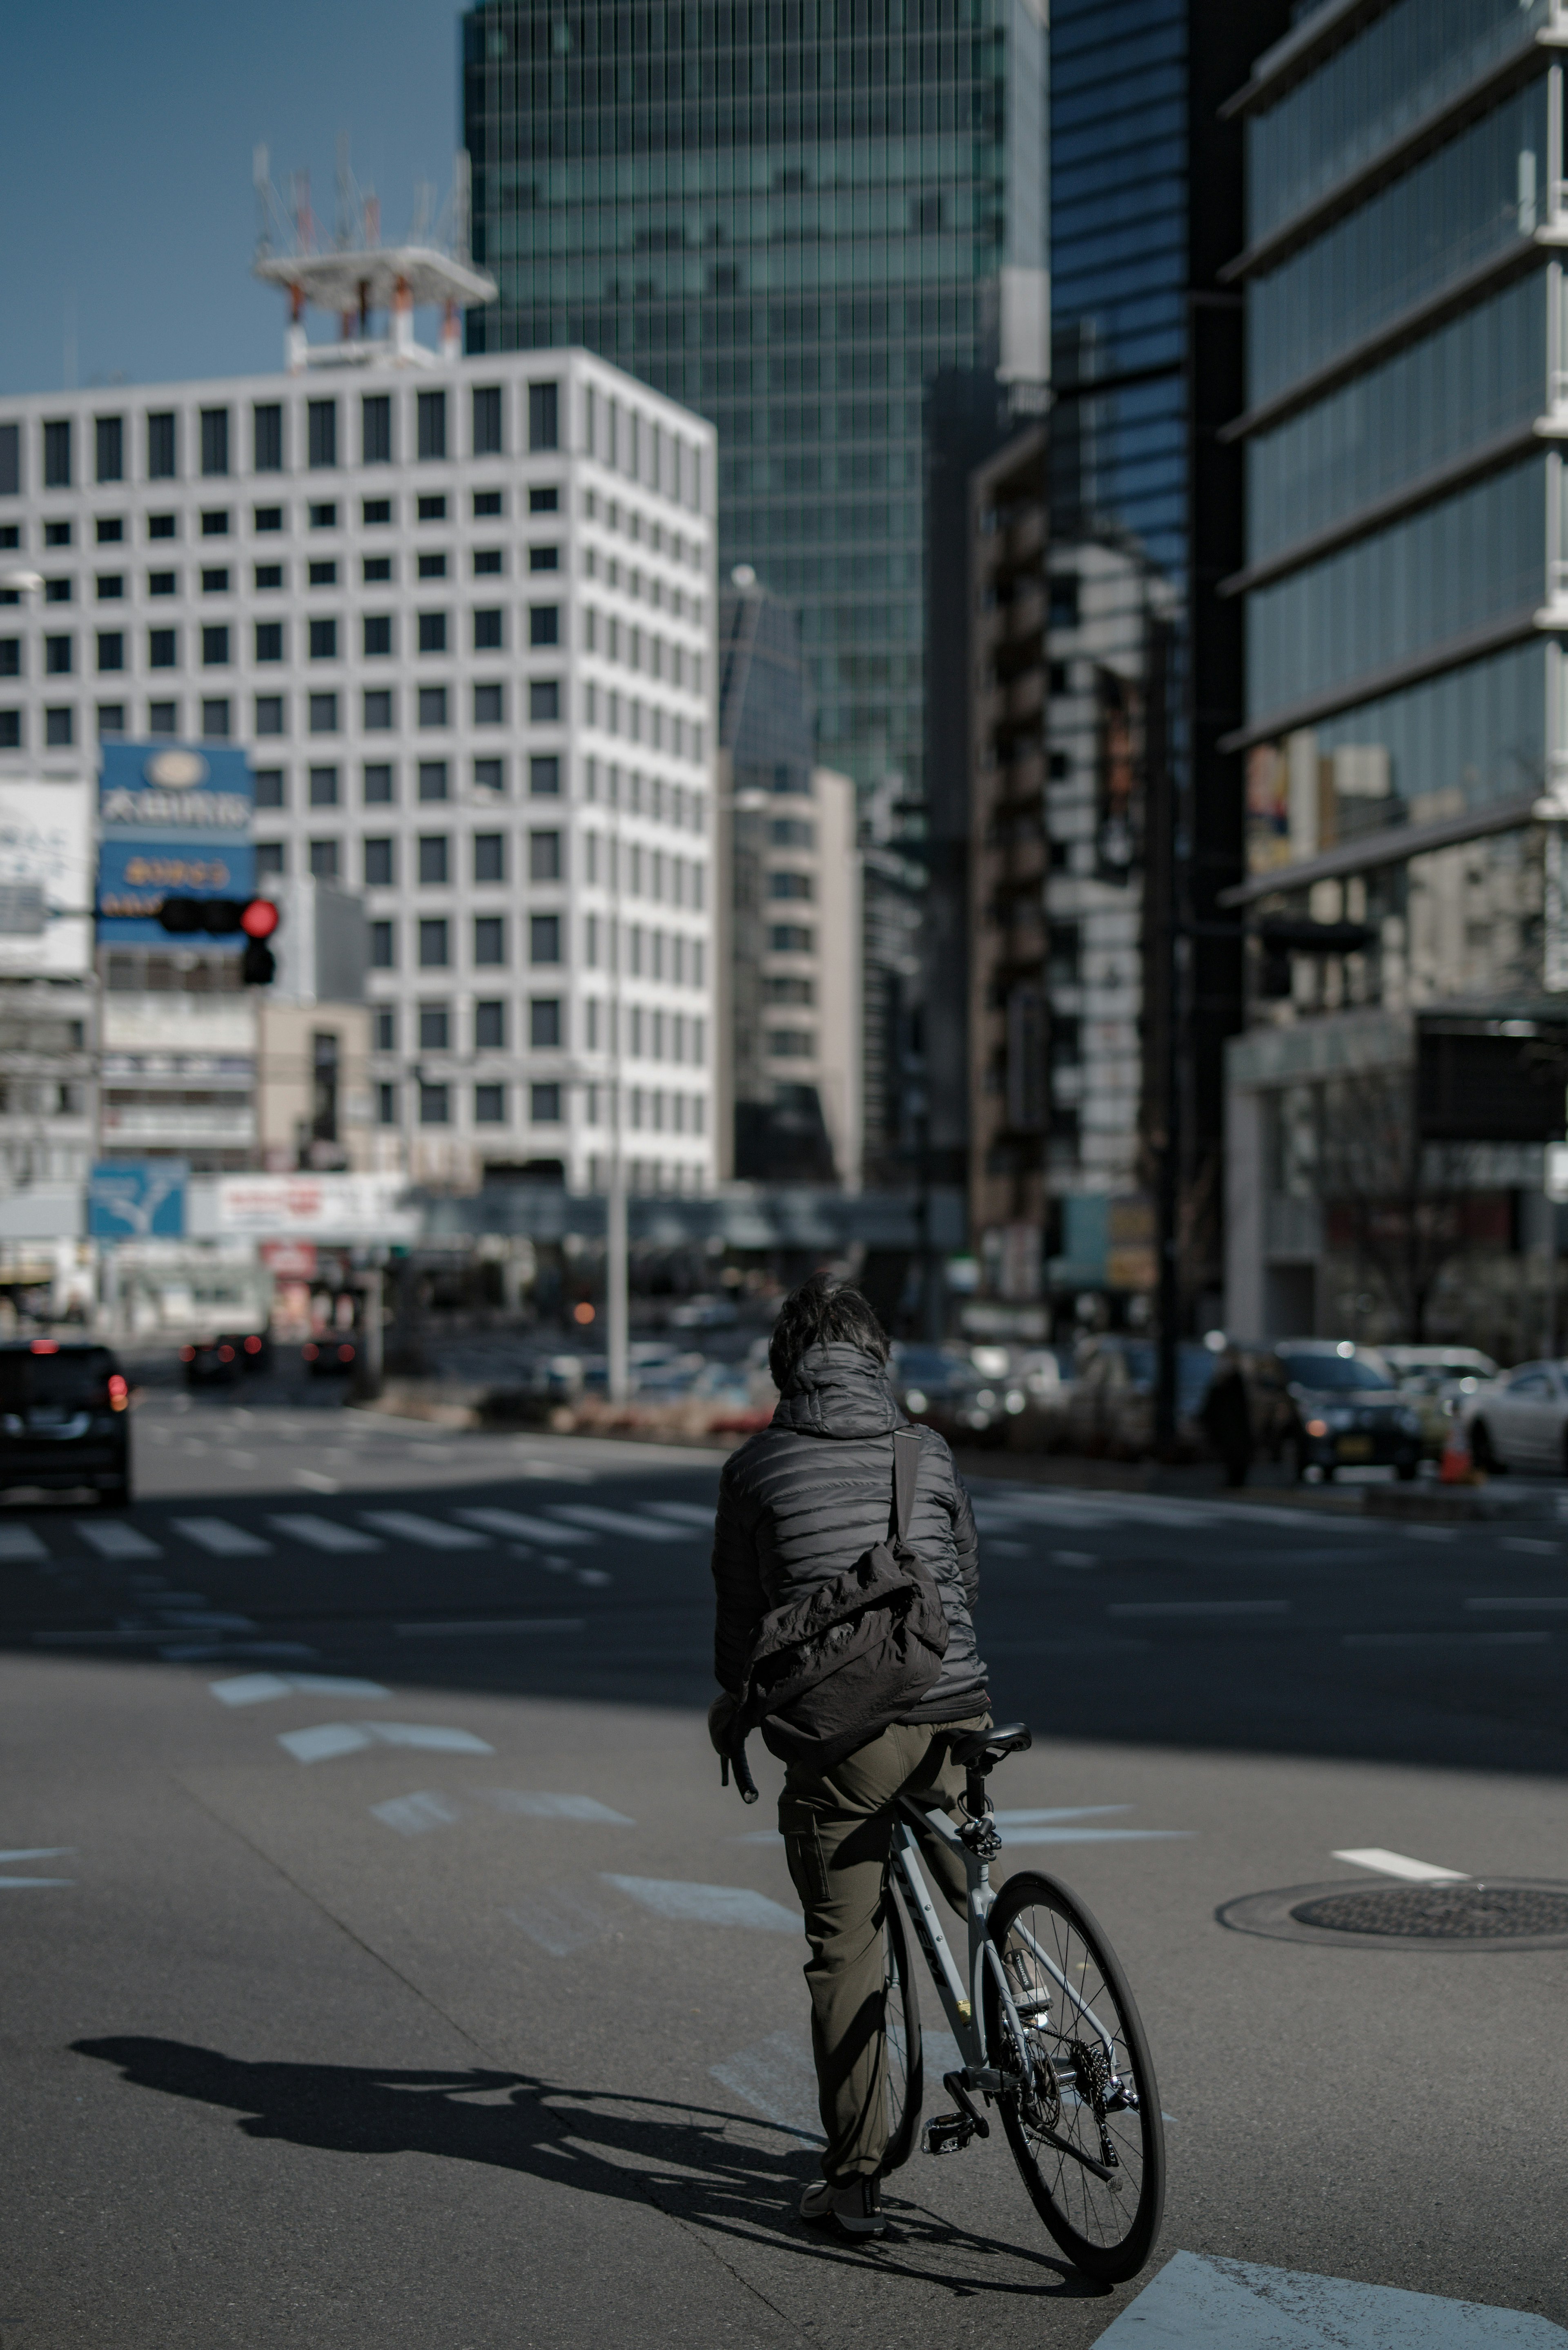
[828, 1670]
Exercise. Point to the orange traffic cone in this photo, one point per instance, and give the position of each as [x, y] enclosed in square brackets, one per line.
[1458, 1468]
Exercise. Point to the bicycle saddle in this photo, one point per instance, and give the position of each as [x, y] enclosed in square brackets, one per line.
[983, 1748]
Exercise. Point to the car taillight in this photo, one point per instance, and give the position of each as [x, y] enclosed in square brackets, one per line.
[311, 1351]
[225, 1354]
[119, 1393]
[345, 1353]
[252, 1346]
[45, 1346]
[187, 1354]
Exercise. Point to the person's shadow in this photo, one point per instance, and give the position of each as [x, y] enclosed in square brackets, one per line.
[684, 2158]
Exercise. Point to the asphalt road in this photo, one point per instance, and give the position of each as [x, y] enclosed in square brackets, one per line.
[384, 1964]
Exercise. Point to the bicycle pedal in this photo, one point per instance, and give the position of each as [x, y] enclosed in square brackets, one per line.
[948, 2133]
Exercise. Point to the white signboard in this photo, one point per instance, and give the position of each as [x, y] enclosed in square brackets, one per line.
[359, 1209]
[46, 876]
[1557, 1172]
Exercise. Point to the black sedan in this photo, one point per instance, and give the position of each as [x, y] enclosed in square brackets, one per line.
[1349, 1411]
[65, 1418]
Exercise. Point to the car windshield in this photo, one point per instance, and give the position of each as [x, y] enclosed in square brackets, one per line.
[70, 1379]
[1336, 1374]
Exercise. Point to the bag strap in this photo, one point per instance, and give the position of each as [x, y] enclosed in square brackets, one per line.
[906, 1475]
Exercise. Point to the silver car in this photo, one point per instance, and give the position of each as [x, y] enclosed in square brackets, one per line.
[1521, 1419]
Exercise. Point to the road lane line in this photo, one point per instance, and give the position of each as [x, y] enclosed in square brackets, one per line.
[520, 1525]
[325, 1534]
[416, 1814]
[20, 1542]
[448, 1630]
[1444, 1640]
[1549, 1599]
[317, 1480]
[256, 1688]
[521, 1804]
[222, 1539]
[1199, 1608]
[707, 1905]
[1530, 1543]
[616, 1522]
[112, 1538]
[685, 1513]
[324, 1740]
[1398, 1864]
[430, 1534]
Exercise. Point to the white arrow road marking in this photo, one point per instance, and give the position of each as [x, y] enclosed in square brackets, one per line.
[519, 1524]
[526, 1806]
[1199, 2303]
[618, 1522]
[431, 1533]
[707, 1905]
[255, 1689]
[223, 1540]
[112, 1538]
[330, 1738]
[1395, 1864]
[416, 1814]
[325, 1534]
[21, 1542]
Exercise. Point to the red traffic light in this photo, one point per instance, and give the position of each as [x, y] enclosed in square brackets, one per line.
[259, 919]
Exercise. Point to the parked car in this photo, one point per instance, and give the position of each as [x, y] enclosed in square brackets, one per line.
[65, 1417]
[332, 1356]
[940, 1386]
[1436, 1379]
[1349, 1411]
[213, 1362]
[1520, 1419]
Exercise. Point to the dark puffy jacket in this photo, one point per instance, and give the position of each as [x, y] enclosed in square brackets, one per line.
[804, 1498]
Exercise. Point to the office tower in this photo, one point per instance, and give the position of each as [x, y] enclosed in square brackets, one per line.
[789, 936]
[1404, 734]
[790, 221]
[462, 617]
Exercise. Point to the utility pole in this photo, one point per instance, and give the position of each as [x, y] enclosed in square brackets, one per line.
[617, 1303]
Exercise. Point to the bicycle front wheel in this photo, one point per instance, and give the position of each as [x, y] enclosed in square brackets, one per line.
[1087, 2139]
[905, 2063]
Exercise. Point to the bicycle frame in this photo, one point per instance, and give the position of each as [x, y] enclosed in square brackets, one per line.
[964, 2001]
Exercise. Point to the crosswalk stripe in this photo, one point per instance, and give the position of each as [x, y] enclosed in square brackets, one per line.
[1397, 1864]
[431, 1533]
[20, 1542]
[520, 1526]
[222, 1539]
[325, 1534]
[112, 1538]
[618, 1522]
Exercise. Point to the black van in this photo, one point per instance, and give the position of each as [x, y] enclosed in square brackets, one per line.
[65, 1417]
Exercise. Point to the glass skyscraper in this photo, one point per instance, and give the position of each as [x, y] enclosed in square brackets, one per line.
[1405, 736]
[791, 215]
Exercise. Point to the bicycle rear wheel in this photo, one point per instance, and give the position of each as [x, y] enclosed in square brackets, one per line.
[905, 2063]
[1091, 2099]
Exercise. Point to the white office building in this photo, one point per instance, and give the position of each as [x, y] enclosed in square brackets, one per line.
[463, 616]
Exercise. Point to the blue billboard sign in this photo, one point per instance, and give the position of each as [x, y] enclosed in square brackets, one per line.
[137, 1199]
[175, 822]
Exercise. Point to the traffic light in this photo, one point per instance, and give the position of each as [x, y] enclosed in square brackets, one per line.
[220, 917]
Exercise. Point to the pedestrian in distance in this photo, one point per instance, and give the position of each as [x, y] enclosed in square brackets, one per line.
[845, 1571]
[1228, 1417]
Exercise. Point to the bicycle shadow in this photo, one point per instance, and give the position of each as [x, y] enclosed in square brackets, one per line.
[692, 2161]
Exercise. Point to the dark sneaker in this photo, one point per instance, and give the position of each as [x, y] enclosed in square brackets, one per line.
[856, 2209]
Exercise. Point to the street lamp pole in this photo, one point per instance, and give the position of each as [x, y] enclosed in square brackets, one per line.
[617, 1302]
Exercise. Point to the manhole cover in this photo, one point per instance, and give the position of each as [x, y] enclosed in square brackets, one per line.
[1513, 1915]
[1474, 1913]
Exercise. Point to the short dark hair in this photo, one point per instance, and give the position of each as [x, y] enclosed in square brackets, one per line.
[819, 1312]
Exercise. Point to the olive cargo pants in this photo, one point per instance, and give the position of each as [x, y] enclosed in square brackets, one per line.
[838, 1837]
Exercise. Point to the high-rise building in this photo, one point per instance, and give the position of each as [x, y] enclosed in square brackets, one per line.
[790, 927]
[461, 616]
[789, 220]
[1406, 731]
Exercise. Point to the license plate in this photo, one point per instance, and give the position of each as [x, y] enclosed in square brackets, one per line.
[1355, 1447]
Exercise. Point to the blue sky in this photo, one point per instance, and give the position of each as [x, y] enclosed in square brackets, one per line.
[125, 168]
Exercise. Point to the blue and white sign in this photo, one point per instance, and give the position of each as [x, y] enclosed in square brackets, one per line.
[137, 1199]
[175, 822]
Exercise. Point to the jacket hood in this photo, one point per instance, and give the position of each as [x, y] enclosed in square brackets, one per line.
[839, 1390]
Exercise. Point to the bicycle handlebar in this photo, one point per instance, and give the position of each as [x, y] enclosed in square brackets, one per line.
[743, 1779]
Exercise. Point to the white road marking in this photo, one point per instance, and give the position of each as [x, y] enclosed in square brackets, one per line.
[593, 1577]
[561, 1472]
[416, 1814]
[503, 1626]
[20, 1542]
[1199, 1608]
[325, 1534]
[209, 1652]
[317, 1480]
[1530, 1543]
[1016, 1820]
[559, 1921]
[112, 1538]
[685, 1513]
[1395, 1864]
[519, 1523]
[776, 2076]
[1098, 1836]
[17, 1884]
[1443, 1639]
[222, 1539]
[1201, 2303]
[431, 1533]
[256, 1688]
[38, 1852]
[526, 1806]
[327, 1738]
[1555, 1599]
[707, 1905]
[618, 1522]
[1430, 1534]
[1073, 1557]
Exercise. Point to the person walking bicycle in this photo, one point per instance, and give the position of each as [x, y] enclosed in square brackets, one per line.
[845, 1571]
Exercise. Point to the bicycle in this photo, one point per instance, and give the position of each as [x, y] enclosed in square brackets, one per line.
[1046, 2024]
